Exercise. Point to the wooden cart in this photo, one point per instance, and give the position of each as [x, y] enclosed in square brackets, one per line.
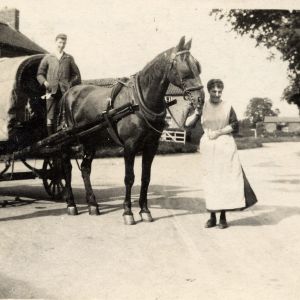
[20, 103]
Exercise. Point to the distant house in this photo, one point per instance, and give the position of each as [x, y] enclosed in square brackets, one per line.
[12, 42]
[284, 124]
[172, 93]
[172, 133]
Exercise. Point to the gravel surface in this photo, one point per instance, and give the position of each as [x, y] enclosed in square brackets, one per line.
[46, 254]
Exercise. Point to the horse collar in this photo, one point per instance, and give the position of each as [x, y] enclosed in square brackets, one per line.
[146, 111]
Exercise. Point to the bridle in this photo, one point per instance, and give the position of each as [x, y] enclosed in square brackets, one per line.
[147, 114]
[187, 95]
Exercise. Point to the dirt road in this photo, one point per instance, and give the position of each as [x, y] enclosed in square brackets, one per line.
[46, 254]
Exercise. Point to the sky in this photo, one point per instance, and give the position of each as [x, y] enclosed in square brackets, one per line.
[117, 38]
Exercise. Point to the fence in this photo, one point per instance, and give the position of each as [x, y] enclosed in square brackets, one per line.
[173, 136]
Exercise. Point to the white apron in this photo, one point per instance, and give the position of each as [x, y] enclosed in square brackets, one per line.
[223, 175]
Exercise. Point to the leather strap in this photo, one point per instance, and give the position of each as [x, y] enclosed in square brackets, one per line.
[116, 89]
[110, 105]
[112, 132]
[144, 110]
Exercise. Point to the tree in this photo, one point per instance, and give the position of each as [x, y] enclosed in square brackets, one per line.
[274, 29]
[258, 109]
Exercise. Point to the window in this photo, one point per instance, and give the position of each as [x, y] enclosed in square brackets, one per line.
[282, 126]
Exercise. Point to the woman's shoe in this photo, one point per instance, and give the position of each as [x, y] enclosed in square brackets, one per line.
[223, 224]
[211, 223]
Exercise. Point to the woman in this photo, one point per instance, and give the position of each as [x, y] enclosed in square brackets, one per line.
[226, 187]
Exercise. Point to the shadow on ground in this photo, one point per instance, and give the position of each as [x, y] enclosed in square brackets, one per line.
[179, 200]
[267, 215]
[18, 289]
[110, 200]
[284, 181]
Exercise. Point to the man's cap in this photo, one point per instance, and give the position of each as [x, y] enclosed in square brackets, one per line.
[61, 36]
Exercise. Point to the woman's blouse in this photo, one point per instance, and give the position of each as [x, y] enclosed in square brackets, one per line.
[218, 116]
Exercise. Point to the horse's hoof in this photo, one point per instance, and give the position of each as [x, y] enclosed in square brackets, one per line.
[72, 211]
[94, 211]
[146, 216]
[129, 220]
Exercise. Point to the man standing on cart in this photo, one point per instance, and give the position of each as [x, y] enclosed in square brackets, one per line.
[57, 73]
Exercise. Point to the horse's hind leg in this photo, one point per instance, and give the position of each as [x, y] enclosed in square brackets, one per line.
[68, 193]
[129, 156]
[149, 152]
[86, 167]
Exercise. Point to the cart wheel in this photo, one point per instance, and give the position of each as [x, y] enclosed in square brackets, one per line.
[53, 180]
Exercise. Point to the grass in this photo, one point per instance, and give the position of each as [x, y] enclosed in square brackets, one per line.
[251, 142]
[164, 148]
[248, 143]
[175, 148]
[279, 139]
[172, 148]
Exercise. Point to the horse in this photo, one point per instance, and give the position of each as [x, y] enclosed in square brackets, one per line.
[138, 132]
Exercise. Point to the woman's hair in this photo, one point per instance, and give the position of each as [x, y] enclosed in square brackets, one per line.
[215, 82]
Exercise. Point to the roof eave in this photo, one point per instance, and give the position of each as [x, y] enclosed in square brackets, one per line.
[30, 51]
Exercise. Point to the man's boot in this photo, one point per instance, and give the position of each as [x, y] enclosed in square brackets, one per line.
[212, 222]
[223, 222]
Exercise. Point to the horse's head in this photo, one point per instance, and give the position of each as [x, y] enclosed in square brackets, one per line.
[184, 72]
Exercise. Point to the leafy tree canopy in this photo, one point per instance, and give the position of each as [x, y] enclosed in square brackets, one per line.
[279, 29]
[259, 108]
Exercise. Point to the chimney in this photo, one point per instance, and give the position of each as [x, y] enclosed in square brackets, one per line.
[10, 16]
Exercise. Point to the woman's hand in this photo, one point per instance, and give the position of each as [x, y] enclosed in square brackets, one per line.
[213, 134]
[192, 118]
[197, 111]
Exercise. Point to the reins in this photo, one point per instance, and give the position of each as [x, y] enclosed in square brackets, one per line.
[172, 116]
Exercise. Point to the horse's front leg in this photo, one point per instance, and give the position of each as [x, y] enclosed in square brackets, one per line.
[129, 157]
[86, 167]
[68, 193]
[149, 152]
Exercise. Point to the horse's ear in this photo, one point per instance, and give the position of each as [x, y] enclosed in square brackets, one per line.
[188, 45]
[181, 44]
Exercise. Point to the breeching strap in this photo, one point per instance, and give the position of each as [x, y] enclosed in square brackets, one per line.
[112, 132]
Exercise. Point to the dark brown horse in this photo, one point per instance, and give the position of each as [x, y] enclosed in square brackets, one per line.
[139, 132]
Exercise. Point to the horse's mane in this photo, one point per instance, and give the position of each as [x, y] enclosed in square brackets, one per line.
[155, 67]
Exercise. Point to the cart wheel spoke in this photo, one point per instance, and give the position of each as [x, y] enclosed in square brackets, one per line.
[54, 189]
[53, 179]
[62, 186]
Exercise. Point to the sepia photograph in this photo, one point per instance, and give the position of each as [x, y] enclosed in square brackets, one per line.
[150, 149]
